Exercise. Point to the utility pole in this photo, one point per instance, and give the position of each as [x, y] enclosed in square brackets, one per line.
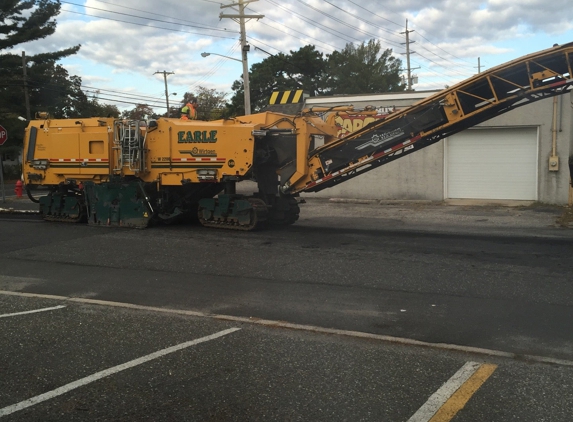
[26, 97]
[408, 52]
[165, 73]
[479, 66]
[240, 18]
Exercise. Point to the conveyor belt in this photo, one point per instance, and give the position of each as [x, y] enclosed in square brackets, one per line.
[466, 104]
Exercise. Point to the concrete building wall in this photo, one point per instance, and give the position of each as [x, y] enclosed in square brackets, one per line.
[421, 175]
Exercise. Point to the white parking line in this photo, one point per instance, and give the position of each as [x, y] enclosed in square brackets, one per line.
[33, 311]
[110, 371]
[301, 327]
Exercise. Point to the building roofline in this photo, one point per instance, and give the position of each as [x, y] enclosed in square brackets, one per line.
[370, 97]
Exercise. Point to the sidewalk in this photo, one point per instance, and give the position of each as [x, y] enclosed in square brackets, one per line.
[15, 204]
[530, 219]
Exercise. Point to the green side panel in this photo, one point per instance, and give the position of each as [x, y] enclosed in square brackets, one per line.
[207, 207]
[61, 205]
[226, 207]
[225, 202]
[208, 203]
[119, 204]
[71, 207]
[45, 204]
[242, 210]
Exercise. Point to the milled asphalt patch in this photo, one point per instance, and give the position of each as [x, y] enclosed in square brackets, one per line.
[308, 328]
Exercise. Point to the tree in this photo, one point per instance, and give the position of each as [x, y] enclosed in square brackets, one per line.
[211, 103]
[94, 108]
[20, 22]
[17, 28]
[354, 70]
[52, 89]
[363, 69]
[49, 86]
[140, 112]
[306, 69]
[302, 69]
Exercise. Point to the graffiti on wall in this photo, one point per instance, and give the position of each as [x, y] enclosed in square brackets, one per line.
[351, 123]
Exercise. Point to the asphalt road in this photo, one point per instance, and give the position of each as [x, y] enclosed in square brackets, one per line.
[476, 279]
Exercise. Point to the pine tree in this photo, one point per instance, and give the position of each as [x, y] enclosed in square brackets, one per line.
[21, 22]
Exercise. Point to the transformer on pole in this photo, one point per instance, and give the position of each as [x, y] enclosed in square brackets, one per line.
[245, 47]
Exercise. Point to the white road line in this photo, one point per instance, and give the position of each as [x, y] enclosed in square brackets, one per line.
[33, 311]
[437, 400]
[301, 327]
[107, 372]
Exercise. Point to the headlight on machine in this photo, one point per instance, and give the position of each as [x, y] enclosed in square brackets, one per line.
[207, 174]
[40, 164]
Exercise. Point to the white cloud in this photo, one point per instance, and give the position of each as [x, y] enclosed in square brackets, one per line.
[170, 36]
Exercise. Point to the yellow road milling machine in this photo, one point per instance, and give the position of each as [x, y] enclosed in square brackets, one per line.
[112, 172]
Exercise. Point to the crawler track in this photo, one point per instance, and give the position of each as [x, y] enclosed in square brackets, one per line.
[258, 218]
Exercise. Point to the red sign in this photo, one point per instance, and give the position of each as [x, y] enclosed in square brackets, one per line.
[3, 135]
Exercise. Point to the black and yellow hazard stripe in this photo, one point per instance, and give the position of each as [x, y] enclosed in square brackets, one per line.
[286, 97]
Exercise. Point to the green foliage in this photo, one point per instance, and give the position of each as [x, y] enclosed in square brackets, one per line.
[355, 70]
[52, 89]
[24, 21]
[303, 69]
[140, 112]
[96, 109]
[8, 154]
[210, 103]
[49, 86]
[236, 106]
[12, 171]
[363, 70]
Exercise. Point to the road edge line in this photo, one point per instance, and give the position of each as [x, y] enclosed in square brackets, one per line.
[309, 328]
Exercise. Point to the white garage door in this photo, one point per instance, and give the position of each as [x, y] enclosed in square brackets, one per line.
[492, 164]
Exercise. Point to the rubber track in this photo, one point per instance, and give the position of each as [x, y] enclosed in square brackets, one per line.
[259, 221]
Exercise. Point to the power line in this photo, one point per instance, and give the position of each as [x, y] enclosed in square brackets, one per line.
[294, 36]
[220, 62]
[381, 17]
[178, 18]
[128, 94]
[340, 21]
[140, 24]
[131, 100]
[327, 29]
[395, 23]
[374, 14]
[143, 17]
[447, 52]
[361, 19]
[35, 84]
[191, 24]
[58, 88]
[439, 65]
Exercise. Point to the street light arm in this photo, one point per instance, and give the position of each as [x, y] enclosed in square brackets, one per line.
[215, 54]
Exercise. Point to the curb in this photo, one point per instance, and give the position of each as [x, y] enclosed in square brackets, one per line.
[383, 201]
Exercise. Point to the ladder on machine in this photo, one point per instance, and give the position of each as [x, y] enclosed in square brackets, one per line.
[129, 144]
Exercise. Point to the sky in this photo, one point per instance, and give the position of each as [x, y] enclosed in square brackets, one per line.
[126, 45]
